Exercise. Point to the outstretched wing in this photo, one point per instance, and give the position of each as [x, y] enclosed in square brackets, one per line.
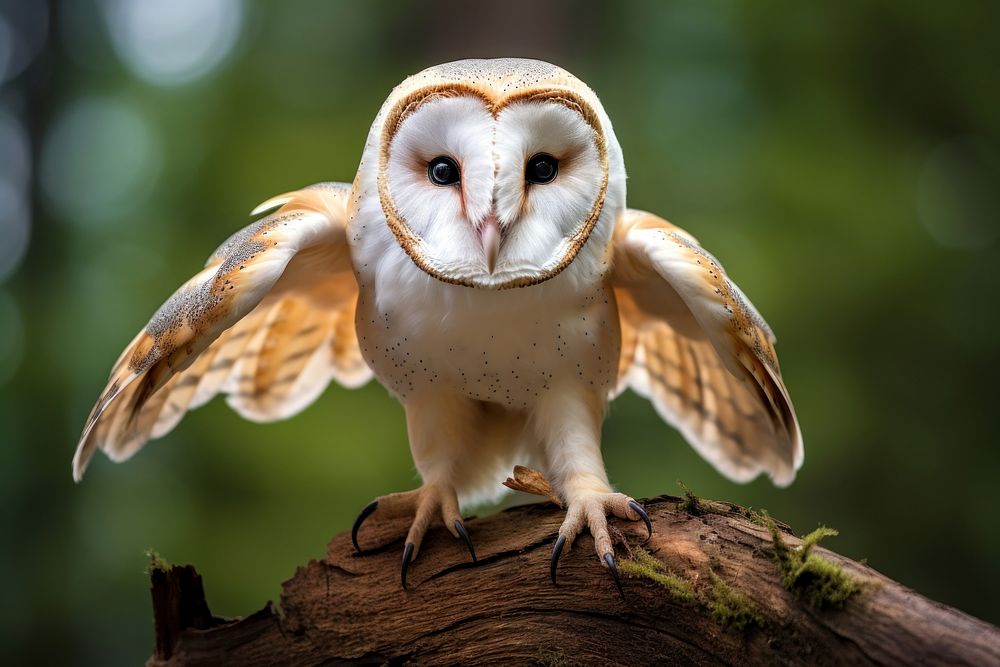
[698, 349]
[268, 321]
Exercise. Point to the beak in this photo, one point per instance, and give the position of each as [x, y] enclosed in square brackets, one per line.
[489, 239]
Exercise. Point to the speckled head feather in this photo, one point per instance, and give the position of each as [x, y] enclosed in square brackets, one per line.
[499, 83]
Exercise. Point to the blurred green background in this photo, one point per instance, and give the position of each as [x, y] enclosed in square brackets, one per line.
[842, 161]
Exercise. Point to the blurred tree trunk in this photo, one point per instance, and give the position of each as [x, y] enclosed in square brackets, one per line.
[713, 594]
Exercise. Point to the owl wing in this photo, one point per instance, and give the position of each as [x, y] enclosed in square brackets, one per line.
[697, 348]
[269, 321]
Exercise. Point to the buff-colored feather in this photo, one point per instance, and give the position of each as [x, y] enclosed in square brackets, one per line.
[696, 347]
[262, 322]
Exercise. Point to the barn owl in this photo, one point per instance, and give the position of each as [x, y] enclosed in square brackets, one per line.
[482, 266]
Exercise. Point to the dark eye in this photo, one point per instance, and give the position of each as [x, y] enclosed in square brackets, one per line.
[443, 170]
[541, 168]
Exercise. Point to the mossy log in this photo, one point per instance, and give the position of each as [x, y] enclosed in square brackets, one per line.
[711, 586]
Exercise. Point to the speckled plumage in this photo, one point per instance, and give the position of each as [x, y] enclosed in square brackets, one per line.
[503, 313]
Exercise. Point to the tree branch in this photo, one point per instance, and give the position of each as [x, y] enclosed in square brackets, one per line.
[706, 588]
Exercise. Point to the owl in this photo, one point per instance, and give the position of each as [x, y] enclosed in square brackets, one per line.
[483, 267]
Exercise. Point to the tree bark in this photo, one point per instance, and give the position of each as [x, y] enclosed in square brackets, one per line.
[351, 609]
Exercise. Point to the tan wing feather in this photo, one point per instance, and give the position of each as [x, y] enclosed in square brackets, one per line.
[695, 346]
[296, 335]
[262, 322]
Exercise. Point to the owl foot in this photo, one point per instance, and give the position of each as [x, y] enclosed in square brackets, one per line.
[422, 504]
[591, 511]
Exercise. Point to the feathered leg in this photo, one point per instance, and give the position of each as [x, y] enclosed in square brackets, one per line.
[568, 421]
[440, 428]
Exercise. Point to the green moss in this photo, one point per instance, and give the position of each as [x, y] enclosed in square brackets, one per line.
[156, 562]
[754, 516]
[727, 607]
[815, 537]
[552, 659]
[697, 506]
[691, 503]
[642, 564]
[811, 577]
[730, 608]
[824, 584]
[642, 557]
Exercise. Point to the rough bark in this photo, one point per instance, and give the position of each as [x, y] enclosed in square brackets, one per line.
[350, 609]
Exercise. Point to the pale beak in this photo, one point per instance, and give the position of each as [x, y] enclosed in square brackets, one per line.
[489, 238]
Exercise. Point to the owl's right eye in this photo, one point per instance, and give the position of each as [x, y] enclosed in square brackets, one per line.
[443, 170]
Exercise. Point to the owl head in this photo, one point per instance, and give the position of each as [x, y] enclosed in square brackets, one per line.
[496, 173]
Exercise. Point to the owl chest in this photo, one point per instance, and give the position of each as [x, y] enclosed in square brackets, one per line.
[489, 346]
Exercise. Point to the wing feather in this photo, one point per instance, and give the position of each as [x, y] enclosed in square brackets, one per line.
[698, 349]
[264, 321]
[265, 380]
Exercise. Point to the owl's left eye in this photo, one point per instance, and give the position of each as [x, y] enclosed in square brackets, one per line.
[541, 168]
[442, 170]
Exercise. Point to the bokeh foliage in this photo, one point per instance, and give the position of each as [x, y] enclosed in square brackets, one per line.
[840, 159]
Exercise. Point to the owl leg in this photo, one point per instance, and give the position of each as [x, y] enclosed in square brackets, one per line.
[439, 429]
[423, 505]
[591, 511]
[569, 425]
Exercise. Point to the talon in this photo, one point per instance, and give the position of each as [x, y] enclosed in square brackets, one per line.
[407, 555]
[609, 560]
[556, 551]
[464, 534]
[365, 513]
[638, 509]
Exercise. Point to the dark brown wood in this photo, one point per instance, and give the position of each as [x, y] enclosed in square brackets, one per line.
[350, 609]
[178, 604]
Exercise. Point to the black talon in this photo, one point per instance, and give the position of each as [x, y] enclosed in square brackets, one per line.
[556, 551]
[365, 513]
[464, 534]
[610, 560]
[638, 509]
[407, 555]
